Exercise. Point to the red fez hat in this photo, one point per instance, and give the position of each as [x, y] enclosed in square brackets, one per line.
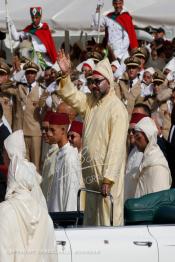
[47, 116]
[59, 119]
[36, 11]
[136, 117]
[77, 127]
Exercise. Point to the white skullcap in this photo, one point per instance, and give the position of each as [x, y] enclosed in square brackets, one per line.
[116, 64]
[89, 61]
[150, 70]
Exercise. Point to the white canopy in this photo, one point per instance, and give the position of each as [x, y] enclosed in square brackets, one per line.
[76, 14]
[160, 13]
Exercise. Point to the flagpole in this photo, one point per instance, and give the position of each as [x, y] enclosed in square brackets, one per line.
[8, 26]
[99, 7]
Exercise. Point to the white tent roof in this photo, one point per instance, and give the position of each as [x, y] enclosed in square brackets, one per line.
[76, 14]
[160, 13]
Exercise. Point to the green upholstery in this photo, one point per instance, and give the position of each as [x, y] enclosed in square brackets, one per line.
[143, 210]
[165, 215]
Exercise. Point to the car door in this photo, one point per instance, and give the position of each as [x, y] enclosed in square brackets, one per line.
[63, 245]
[127, 243]
[165, 236]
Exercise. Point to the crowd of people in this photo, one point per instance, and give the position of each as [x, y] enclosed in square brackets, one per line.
[102, 118]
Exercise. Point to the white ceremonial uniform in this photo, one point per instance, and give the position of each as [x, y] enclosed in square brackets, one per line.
[118, 38]
[66, 181]
[36, 42]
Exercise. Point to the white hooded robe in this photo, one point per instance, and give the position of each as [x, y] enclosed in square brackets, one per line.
[26, 230]
[154, 174]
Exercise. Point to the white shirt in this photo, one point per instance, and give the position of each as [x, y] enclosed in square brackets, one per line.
[34, 84]
[146, 90]
[134, 82]
[66, 181]
[117, 37]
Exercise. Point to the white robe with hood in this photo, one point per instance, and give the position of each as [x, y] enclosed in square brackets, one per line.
[154, 174]
[26, 230]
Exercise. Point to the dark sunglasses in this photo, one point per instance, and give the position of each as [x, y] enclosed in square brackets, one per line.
[97, 81]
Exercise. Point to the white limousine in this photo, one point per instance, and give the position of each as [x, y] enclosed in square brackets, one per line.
[142, 240]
